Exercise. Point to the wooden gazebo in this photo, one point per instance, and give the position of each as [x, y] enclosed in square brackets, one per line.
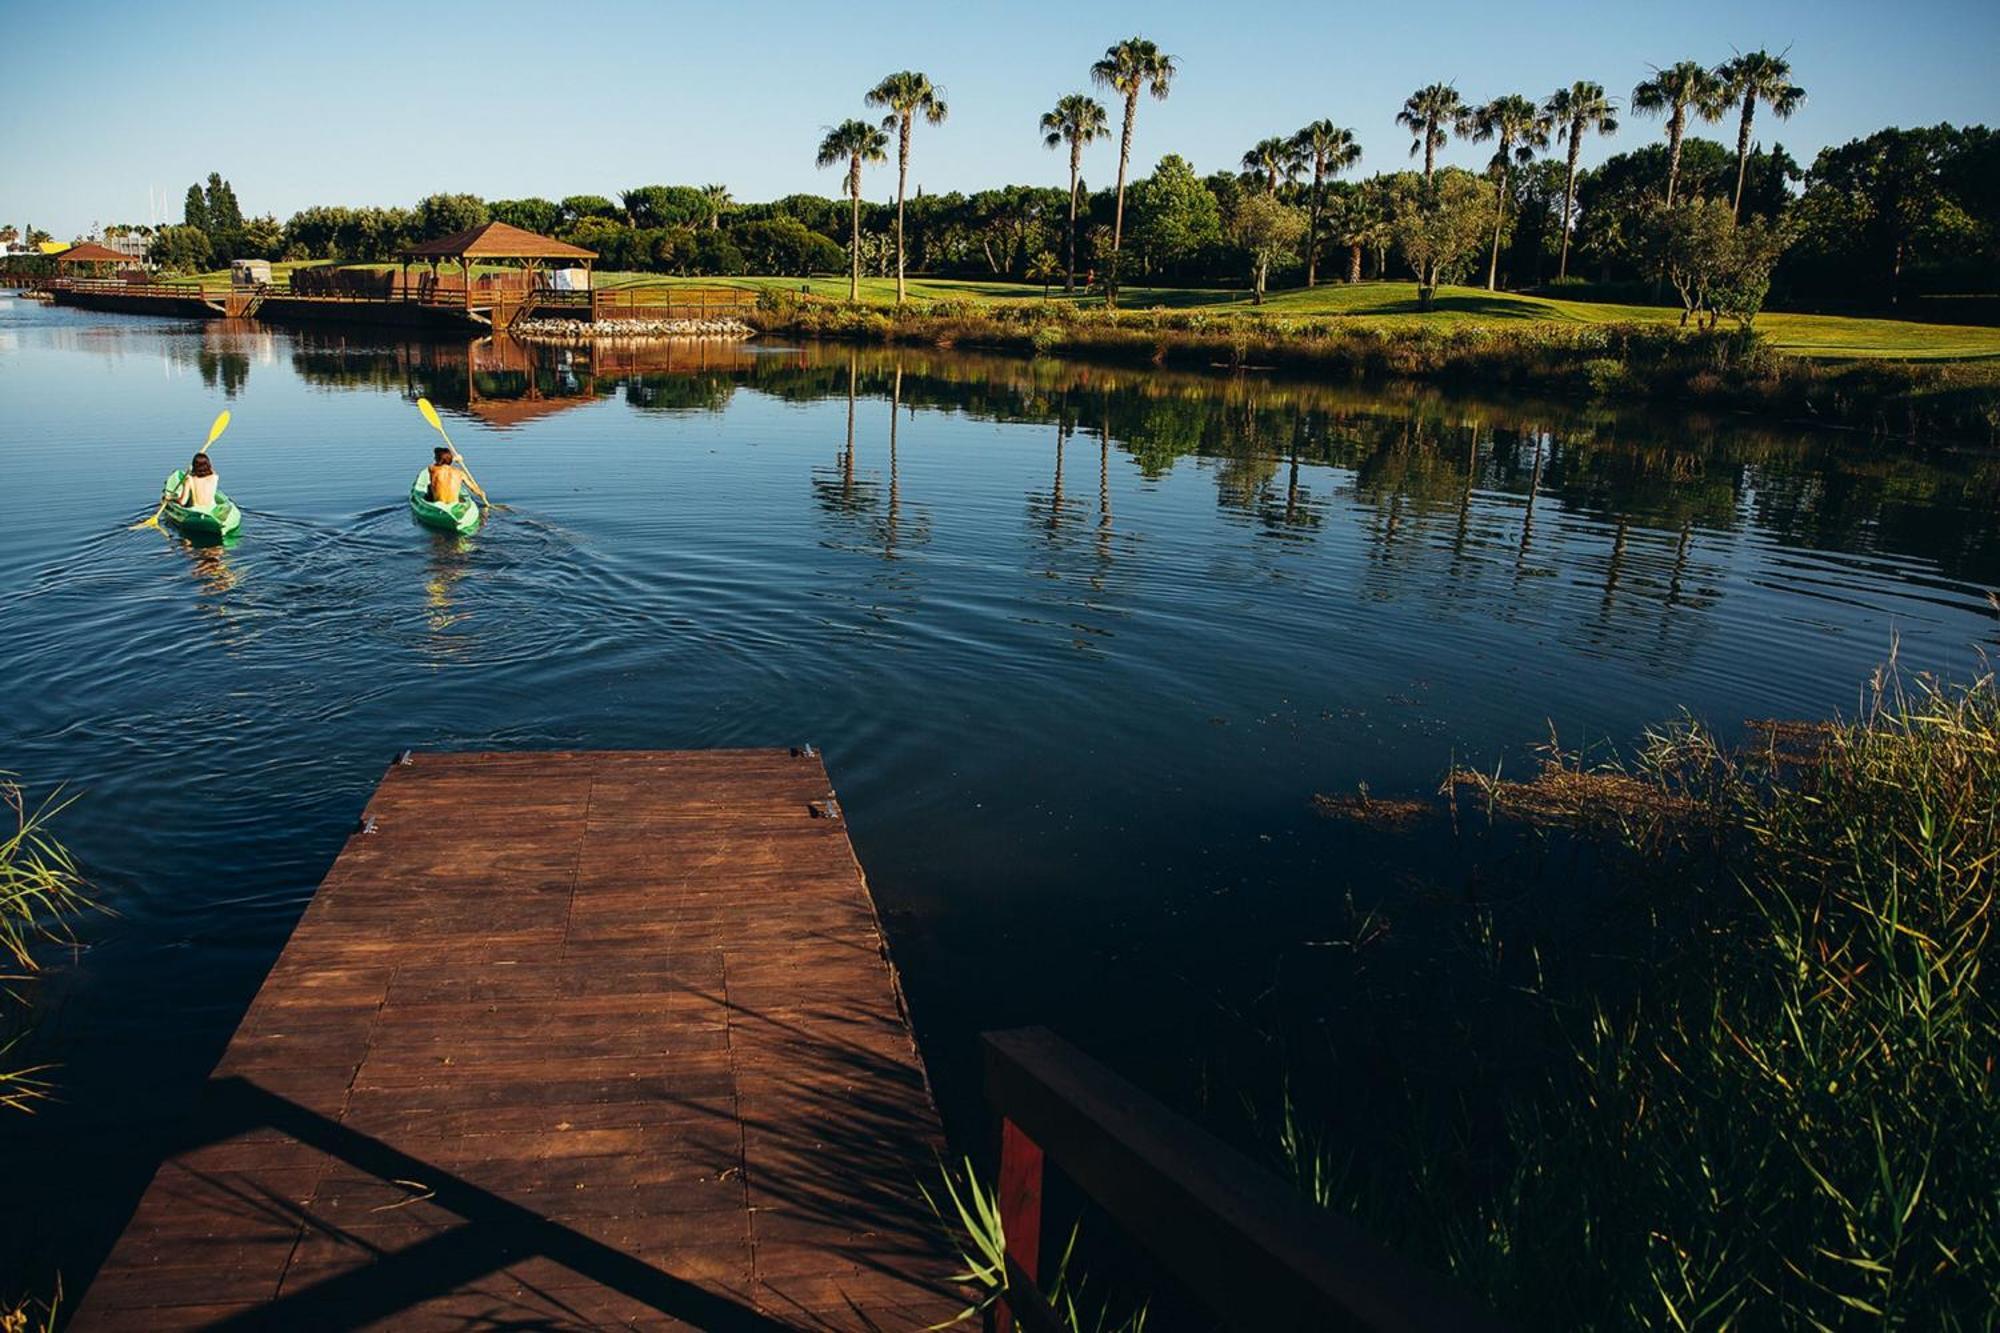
[91, 257]
[496, 242]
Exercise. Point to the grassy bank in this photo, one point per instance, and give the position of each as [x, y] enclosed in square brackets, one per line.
[1917, 399]
[1784, 1115]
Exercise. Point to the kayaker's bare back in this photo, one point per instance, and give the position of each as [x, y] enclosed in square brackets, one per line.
[444, 483]
[197, 490]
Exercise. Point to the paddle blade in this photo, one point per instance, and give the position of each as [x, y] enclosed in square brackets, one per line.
[431, 415]
[215, 431]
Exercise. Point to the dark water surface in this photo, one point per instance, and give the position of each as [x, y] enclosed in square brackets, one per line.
[1079, 646]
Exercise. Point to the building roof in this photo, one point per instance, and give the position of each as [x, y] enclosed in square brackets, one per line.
[497, 240]
[91, 252]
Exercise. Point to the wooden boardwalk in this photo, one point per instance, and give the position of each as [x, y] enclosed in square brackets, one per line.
[564, 1040]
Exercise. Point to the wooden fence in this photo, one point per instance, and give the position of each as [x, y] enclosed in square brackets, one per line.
[672, 303]
[1251, 1248]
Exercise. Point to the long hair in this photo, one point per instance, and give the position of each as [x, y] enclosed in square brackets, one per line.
[201, 466]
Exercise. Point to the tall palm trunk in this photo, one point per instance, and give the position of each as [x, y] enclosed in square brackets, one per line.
[1312, 227]
[1075, 172]
[1499, 221]
[854, 233]
[1743, 150]
[902, 176]
[1569, 195]
[1430, 151]
[1354, 261]
[1118, 212]
[1675, 128]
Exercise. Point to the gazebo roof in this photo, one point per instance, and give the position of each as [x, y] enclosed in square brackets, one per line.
[92, 252]
[497, 240]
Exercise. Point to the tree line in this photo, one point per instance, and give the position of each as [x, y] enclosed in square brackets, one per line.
[1866, 223]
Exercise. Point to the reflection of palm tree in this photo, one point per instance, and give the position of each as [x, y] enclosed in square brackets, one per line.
[846, 493]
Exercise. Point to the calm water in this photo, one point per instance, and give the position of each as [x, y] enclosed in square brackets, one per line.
[1079, 647]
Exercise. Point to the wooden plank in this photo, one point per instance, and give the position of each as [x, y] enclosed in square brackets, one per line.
[622, 1048]
[1252, 1248]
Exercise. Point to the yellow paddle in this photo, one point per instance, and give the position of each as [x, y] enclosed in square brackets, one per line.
[214, 434]
[431, 415]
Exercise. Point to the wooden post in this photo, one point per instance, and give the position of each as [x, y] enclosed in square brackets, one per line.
[1020, 1207]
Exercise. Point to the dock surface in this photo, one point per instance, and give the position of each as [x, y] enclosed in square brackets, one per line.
[563, 1040]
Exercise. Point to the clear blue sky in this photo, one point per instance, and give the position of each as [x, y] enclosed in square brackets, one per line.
[366, 103]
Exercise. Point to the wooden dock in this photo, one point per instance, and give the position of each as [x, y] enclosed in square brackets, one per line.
[564, 1040]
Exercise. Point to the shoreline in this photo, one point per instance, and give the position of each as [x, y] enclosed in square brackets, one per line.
[1715, 370]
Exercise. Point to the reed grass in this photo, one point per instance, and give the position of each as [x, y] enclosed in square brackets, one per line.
[1790, 1122]
[974, 1223]
[41, 890]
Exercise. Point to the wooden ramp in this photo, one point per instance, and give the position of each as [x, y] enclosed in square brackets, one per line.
[565, 1040]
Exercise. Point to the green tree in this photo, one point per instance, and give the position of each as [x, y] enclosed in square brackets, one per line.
[1576, 111]
[1271, 161]
[1757, 77]
[1439, 227]
[1675, 92]
[182, 249]
[1130, 67]
[1174, 217]
[448, 214]
[194, 212]
[1872, 205]
[1076, 120]
[537, 215]
[224, 215]
[1266, 230]
[260, 238]
[1518, 128]
[907, 95]
[1720, 268]
[853, 142]
[1331, 150]
[1044, 269]
[1430, 114]
[577, 207]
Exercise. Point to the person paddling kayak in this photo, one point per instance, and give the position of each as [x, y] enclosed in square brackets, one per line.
[446, 472]
[197, 489]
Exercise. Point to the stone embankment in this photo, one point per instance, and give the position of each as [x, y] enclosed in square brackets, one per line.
[584, 331]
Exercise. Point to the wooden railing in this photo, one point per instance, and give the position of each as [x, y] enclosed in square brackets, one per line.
[672, 303]
[1253, 1250]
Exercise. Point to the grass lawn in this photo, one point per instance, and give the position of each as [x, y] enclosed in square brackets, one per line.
[1394, 304]
[1391, 304]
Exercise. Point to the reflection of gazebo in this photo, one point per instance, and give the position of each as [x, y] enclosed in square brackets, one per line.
[496, 242]
[91, 257]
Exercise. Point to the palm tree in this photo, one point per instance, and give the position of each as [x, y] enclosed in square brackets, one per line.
[1576, 110]
[1131, 66]
[1429, 114]
[718, 201]
[1076, 120]
[1758, 77]
[853, 142]
[1331, 150]
[907, 95]
[1272, 159]
[1518, 128]
[1677, 90]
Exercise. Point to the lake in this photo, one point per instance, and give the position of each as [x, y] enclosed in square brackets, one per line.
[1079, 645]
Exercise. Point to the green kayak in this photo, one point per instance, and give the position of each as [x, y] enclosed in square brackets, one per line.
[460, 517]
[220, 519]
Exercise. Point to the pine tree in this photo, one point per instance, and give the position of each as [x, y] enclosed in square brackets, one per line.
[223, 213]
[194, 213]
